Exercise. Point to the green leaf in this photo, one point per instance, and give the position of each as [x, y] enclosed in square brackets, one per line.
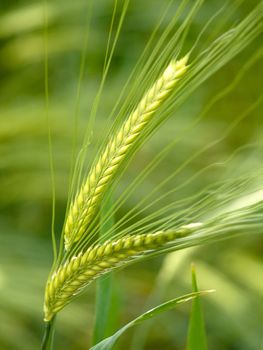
[109, 342]
[196, 331]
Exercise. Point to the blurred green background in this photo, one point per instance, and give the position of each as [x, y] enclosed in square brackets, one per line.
[234, 314]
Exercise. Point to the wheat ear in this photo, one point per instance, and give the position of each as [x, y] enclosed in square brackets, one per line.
[88, 199]
[79, 271]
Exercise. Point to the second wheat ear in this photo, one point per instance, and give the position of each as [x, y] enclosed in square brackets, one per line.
[72, 277]
[90, 195]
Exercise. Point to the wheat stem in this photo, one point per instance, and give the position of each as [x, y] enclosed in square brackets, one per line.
[79, 271]
[87, 201]
[47, 343]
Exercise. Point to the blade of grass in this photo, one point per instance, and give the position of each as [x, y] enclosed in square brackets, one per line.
[196, 339]
[109, 342]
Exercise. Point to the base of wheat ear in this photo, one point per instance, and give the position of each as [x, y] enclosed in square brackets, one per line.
[71, 278]
[90, 195]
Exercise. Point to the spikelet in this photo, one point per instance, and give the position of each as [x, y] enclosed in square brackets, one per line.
[77, 273]
[87, 201]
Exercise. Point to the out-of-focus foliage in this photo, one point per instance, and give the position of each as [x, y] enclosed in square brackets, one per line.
[234, 315]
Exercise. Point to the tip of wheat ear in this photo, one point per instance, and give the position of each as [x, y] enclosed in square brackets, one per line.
[89, 197]
[176, 68]
[79, 271]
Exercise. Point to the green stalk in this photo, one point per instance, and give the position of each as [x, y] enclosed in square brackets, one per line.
[104, 285]
[47, 342]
